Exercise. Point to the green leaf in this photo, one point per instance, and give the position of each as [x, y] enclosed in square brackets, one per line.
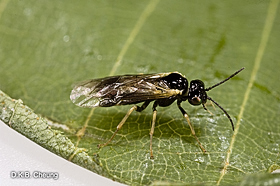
[46, 46]
[22, 119]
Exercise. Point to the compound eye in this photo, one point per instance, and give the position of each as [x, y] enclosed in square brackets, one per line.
[195, 101]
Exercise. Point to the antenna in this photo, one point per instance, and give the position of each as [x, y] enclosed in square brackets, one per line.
[207, 89]
[222, 110]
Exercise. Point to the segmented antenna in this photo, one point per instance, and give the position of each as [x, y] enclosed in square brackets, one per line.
[207, 89]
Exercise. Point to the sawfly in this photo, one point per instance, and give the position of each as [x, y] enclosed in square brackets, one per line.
[162, 89]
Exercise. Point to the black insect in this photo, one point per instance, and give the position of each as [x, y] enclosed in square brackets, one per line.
[162, 88]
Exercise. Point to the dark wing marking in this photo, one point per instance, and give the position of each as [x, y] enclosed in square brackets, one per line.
[121, 90]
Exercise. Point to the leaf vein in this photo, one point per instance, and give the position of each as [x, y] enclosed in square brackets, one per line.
[3, 5]
[271, 14]
[145, 14]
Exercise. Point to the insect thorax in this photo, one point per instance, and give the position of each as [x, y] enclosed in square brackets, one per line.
[176, 81]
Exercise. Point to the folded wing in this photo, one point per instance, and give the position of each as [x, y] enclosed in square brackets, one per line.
[120, 90]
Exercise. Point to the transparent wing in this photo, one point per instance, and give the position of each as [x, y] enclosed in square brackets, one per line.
[120, 90]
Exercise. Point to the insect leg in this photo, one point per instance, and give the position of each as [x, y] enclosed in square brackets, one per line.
[204, 106]
[135, 107]
[189, 122]
[153, 128]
